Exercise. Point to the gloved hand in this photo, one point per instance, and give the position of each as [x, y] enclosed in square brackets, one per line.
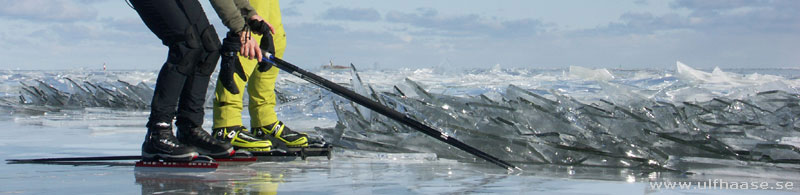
[230, 64]
[267, 45]
[260, 27]
[263, 28]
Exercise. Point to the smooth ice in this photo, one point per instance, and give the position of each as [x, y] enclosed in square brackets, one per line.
[576, 130]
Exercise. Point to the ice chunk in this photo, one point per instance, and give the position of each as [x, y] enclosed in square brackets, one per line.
[578, 72]
[358, 87]
[548, 126]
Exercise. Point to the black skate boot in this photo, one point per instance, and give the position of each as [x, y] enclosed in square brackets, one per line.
[204, 143]
[160, 143]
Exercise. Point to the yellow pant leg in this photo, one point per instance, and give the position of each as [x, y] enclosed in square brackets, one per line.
[262, 98]
[227, 106]
[260, 86]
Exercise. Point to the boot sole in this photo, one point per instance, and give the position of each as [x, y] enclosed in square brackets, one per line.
[285, 142]
[169, 157]
[264, 149]
[224, 154]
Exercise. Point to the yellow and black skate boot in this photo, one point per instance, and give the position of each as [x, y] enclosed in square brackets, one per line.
[241, 139]
[282, 133]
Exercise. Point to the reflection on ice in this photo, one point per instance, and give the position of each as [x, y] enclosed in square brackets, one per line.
[393, 157]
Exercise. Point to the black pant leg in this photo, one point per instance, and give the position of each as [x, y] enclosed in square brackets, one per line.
[192, 100]
[179, 90]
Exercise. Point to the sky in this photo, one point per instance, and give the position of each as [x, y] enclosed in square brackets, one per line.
[457, 34]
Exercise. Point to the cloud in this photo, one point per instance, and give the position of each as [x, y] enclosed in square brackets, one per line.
[759, 16]
[318, 33]
[643, 23]
[466, 25]
[296, 2]
[351, 14]
[714, 17]
[47, 10]
[107, 31]
[118, 41]
[717, 4]
[129, 24]
[316, 43]
[290, 11]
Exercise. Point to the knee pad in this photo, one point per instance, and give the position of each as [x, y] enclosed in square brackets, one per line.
[184, 51]
[211, 45]
[195, 52]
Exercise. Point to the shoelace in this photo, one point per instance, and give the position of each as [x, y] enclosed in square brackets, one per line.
[202, 136]
[167, 138]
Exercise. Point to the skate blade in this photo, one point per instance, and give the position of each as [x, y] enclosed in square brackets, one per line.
[225, 154]
[292, 153]
[238, 156]
[201, 164]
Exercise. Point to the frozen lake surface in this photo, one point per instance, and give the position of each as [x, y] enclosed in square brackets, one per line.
[743, 129]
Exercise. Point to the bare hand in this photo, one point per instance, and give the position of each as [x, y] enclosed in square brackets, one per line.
[250, 47]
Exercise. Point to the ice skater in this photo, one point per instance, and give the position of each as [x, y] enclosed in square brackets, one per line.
[182, 82]
[239, 71]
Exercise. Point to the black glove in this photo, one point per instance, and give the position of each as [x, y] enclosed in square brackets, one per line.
[259, 27]
[267, 45]
[230, 64]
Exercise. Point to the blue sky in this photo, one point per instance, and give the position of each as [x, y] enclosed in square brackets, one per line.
[69, 34]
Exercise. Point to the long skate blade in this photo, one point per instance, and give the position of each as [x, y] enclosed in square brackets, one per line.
[74, 159]
[292, 153]
[200, 164]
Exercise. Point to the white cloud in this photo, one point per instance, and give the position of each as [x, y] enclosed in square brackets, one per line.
[296, 2]
[713, 17]
[351, 14]
[290, 11]
[47, 10]
[706, 35]
[466, 24]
